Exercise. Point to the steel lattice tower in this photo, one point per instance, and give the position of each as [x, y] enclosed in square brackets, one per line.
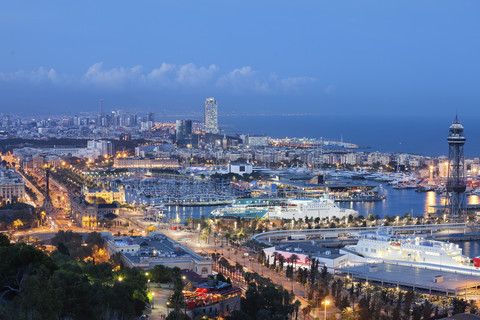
[455, 204]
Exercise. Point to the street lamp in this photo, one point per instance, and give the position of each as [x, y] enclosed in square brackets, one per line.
[326, 303]
[153, 304]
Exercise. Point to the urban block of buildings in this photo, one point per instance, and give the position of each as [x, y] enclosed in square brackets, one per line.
[212, 298]
[108, 195]
[95, 215]
[12, 186]
[158, 249]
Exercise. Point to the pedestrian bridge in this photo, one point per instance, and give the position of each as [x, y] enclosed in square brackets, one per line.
[267, 237]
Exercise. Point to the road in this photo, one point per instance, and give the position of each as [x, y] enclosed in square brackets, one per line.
[159, 302]
[237, 254]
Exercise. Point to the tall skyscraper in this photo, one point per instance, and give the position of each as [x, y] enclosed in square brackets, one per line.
[184, 130]
[184, 135]
[151, 117]
[211, 119]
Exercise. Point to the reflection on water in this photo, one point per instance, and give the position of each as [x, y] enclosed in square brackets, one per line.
[399, 202]
[470, 248]
[183, 213]
[430, 202]
[473, 199]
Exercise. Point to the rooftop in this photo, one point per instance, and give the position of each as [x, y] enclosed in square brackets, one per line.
[419, 278]
[309, 249]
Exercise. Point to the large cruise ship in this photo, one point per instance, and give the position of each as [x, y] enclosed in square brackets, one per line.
[384, 244]
[286, 209]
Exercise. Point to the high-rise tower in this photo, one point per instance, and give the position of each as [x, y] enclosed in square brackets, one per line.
[211, 119]
[455, 204]
[183, 130]
[100, 115]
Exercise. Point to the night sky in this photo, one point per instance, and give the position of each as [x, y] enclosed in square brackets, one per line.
[320, 57]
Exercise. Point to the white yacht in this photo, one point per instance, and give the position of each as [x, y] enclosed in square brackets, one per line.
[287, 209]
[311, 208]
[384, 244]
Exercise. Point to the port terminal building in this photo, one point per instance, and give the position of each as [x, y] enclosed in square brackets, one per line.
[331, 258]
[417, 278]
[291, 186]
[158, 249]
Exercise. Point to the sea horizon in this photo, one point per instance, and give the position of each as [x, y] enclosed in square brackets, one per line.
[425, 135]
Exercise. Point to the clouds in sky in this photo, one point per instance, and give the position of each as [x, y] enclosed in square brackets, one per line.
[36, 76]
[168, 76]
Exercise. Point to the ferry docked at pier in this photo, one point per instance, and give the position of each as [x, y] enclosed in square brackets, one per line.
[284, 209]
[384, 244]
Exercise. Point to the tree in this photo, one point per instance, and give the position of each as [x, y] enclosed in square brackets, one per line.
[409, 298]
[177, 301]
[4, 240]
[175, 315]
[427, 310]
[417, 313]
[36, 286]
[459, 305]
[238, 315]
[63, 249]
[297, 304]
[73, 241]
[74, 295]
[294, 258]
[473, 307]
[349, 314]
[17, 224]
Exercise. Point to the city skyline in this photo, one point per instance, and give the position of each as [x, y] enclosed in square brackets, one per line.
[177, 160]
[315, 57]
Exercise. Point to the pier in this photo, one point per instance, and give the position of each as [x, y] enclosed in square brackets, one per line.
[416, 278]
[267, 237]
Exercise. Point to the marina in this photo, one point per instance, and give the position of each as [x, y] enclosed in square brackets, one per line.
[179, 192]
[396, 202]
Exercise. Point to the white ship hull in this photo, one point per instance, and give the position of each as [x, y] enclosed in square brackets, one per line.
[290, 209]
[415, 250]
[312, 210]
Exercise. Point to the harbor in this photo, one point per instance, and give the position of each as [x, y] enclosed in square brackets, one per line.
[187, 192]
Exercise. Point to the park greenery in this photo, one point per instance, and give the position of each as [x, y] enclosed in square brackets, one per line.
[19, 215]
[34, 286]
[73, 179]
[71, 244]
[263, 299]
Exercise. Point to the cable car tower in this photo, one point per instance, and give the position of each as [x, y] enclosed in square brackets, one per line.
[456, 202]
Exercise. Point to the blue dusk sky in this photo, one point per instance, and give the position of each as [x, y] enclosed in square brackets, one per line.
[305, 57]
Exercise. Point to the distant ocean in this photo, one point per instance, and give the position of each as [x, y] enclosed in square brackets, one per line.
[406, 133]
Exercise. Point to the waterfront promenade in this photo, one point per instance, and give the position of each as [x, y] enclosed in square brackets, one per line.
[267, 237]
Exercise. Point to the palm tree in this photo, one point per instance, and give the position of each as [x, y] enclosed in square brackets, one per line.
[294, 258]
[238, 269]
[296, 305]
[281, 260]
[275, 257]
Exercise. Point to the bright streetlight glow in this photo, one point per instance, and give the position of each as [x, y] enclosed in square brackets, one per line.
[326, 303]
